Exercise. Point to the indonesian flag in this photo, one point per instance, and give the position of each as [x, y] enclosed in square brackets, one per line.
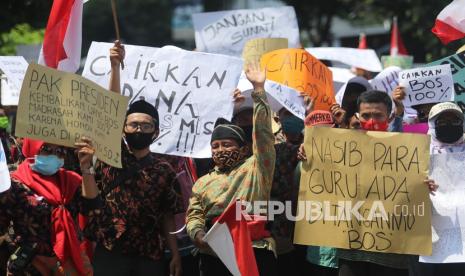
[397, 45]
[362, 41]
[63, 35]
[450, 23]
[230, 239]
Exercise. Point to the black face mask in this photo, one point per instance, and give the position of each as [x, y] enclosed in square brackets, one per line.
[139, 140]
[449, 134]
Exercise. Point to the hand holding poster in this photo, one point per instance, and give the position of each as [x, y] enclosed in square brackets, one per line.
[427, 85]
[457, 63]
[189, 93]
[366, 59]
[14, 67]
[298, 69]
[365, 191]
[255, 48]
[5, 181]
[448, 209]
[60, 108]
[226, 32]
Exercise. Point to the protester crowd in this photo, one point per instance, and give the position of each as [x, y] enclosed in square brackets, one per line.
[67, 213]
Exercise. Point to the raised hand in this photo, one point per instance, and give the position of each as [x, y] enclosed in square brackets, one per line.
[255, 75]
[117, 54]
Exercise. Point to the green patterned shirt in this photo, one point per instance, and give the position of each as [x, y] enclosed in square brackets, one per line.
[249, 181]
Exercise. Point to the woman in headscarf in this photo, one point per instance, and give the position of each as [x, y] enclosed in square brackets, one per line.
[42, 206]
[236, 176]
[446, 126]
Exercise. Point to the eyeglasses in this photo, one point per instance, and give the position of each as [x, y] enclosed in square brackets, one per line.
[453, 122]
[145, 127]
[60, 152]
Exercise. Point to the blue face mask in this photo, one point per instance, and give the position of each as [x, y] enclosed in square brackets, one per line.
[47, 164]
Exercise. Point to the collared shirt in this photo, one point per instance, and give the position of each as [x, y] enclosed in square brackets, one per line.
[250, 181]
[136, 199]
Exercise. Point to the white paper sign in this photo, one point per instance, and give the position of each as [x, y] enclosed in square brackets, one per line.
[226, 32]
[360, 58]
[5, 181]
[387, 80]
[279, 96]
[427, 85]
[284, 96]
[14, 67]
[189, 93]
[448, 219]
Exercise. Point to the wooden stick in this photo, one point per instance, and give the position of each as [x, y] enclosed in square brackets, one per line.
[115, 21]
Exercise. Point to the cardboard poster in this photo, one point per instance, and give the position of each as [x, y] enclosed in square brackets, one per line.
[365, 191]
[59, 108]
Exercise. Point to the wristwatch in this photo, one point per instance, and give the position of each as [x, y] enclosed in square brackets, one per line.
[89, 170]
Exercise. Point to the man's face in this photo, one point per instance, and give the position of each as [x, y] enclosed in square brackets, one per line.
[376, 111]
[139, 122]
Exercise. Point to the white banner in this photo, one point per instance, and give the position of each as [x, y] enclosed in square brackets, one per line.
[360, 58]
[448, 217]
[5, 181]
[188, 91]
[226, 32]
[14, 67]
[427, 85]
[279, 96]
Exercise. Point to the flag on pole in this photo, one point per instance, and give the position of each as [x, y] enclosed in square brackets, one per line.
[231, 240]
[450, 23]
[62, 41]
[362, 41]
[397, 45]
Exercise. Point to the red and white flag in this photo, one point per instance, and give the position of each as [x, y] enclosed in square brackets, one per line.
[231, 240]
[397, 45]
[450, 23]
[62, 41]
[362, 41]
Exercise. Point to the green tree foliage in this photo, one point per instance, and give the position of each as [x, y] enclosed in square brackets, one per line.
[19, 34]
[141, 22]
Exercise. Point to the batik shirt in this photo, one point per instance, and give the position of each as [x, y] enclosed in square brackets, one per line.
[249, 181]
[285, 189]
[30, 218]
[136, 199]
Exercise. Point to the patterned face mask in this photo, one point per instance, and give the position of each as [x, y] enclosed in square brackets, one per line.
[227, 159]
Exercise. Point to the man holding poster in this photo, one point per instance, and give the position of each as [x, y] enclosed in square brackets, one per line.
[139, 199]
[355, 180]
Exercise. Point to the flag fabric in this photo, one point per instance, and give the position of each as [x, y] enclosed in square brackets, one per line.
[397, 45]
[63, 35]
[450, 23]
[362, 42]
[231, 240]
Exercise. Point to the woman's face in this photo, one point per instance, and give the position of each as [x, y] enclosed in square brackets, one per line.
[51, 149]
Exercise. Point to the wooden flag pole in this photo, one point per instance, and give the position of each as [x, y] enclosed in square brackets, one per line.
[115, 21]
